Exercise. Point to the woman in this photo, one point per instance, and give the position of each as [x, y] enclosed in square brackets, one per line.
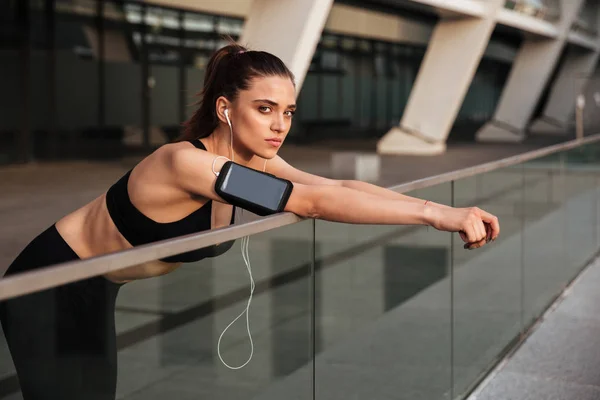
[62, 340]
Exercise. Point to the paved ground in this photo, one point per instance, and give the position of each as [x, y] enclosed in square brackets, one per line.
[561, 359]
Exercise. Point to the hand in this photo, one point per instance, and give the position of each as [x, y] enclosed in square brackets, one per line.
[470, 246]
[475, 226]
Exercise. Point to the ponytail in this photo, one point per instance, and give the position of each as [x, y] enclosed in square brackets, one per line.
[229, 70]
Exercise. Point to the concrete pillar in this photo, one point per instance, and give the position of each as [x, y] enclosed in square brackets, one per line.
[454, 52]
[578, 67]
[532, 69]
[591, 115]
[579, 64]
[290, 29]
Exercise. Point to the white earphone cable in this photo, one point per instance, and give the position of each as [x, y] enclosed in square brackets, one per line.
[245, 241]
[246, 257]
[213, 164]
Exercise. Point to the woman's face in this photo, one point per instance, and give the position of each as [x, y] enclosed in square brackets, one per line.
[262, 115]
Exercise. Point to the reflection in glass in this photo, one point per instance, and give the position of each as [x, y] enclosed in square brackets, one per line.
[229, 26]
[198, 22]
[487, 281]
[542, 9]
[581, 171]
[169, 326]
[382, 310]
[543, 235]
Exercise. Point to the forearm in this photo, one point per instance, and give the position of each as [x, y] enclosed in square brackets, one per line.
[341, 204]
[384, 193]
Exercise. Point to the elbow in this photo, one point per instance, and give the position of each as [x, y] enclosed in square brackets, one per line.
[311, 208]
[312, 211]
[305, 201]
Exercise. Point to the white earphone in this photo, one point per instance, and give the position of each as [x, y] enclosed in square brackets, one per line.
[227, 117]
[230, 132]
[230, 144]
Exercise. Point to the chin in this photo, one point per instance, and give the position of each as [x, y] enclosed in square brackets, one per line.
[268, 154]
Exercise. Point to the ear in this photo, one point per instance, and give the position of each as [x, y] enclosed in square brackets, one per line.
[221, 105]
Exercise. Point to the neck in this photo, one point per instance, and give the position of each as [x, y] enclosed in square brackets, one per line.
[219, 143]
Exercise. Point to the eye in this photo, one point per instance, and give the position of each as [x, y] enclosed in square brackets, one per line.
[264, 109]
[290, 113]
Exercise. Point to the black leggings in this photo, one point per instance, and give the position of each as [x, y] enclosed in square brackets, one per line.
[62, 340]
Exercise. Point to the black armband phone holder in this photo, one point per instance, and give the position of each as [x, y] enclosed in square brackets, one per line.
[258, 192]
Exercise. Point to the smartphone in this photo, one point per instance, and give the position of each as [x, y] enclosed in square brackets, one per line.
[255, 191]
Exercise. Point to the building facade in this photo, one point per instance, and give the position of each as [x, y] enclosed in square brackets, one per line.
[91, 78]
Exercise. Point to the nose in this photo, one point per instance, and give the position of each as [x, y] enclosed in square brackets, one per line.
[279, 124]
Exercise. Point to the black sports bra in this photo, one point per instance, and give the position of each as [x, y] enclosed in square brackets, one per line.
[138, 229]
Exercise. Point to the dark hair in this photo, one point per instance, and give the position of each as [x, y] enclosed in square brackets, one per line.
[229, 70]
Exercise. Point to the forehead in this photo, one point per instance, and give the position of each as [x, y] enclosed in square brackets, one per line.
[276, 88]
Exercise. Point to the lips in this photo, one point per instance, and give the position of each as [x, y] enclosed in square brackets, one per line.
[274, 142]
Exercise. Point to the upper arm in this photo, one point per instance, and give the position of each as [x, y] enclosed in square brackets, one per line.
[278, 167]
[193, 171]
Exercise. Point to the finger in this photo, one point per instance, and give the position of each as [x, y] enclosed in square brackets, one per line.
[481, 234]
[478, 237]
[493, 221]
[477, 232]
[475, 245]
[488, 231]
[463, 236]
[471, 234]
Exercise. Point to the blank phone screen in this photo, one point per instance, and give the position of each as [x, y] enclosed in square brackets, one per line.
[253, 186]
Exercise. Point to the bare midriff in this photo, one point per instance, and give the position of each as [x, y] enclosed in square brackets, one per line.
[90, 232]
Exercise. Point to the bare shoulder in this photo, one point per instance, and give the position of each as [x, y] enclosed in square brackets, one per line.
[175, 151]
[192, 168]
[184, 157]
[158, 165]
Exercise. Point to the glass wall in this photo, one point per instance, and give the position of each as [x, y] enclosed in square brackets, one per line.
[100, 79]
[358, 88]
[94, 79]
[587, 19]
[481, 99]
[14, 56]
[543, 9]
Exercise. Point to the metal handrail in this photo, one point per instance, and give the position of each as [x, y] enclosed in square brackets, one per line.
[56, 275]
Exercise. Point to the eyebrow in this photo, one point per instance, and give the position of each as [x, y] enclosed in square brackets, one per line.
[272, 103]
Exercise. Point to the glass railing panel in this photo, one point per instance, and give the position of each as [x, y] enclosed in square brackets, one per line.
[581, 168]
[544, 234]
[168, 327]
[215, 292]
[382, 309]
[366, 311]
[487, 281]
[8, 379]
[561, 223]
